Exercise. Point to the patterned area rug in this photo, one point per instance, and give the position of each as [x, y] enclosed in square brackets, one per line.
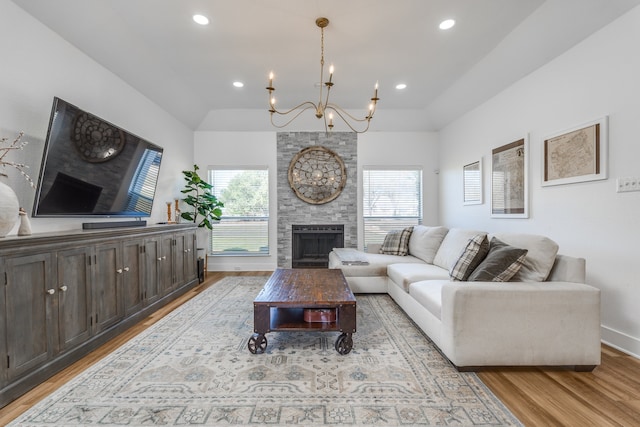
[193, 367]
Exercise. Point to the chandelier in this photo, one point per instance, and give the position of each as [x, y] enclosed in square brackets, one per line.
[323, 108]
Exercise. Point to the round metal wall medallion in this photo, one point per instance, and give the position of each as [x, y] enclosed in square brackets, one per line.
[317, 175]
[96, 140]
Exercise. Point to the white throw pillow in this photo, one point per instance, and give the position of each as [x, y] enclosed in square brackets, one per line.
[425, 241]
[452, 246]
[540, 258]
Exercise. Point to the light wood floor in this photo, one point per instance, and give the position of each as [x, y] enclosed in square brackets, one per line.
[608, 396]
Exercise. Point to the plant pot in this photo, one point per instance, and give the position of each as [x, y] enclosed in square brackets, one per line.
[9, 208]
[202, 238]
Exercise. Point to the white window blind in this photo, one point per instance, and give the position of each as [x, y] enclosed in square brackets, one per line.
[244, 226]
[392, 199]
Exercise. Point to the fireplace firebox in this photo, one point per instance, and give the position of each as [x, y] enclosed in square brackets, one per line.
[311, 244]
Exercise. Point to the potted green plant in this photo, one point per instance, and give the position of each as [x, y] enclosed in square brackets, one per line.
[206, 207]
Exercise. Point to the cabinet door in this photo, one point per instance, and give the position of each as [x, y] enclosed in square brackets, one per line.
[31, 331]
[132, 279]
[178, 259]
[166, 264]
[107, 286]
[74, 296]
[190, 257]
[152, 262]
[3, 323]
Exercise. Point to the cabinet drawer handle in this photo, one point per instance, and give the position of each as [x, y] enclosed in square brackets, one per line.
[119, 271]
[164, 257]
[51, 291]
[63, 288]
[126, 269]
[159, 258]
[185, 251]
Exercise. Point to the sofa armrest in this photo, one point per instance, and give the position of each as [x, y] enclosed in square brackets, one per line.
[568, 269]
[516, 323]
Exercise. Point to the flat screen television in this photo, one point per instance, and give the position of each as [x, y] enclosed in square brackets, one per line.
[93, 168]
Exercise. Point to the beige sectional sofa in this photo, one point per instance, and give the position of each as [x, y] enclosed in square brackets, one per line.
[545, 315]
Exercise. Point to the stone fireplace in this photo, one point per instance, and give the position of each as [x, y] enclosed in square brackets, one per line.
[311, 244]
[292, 211]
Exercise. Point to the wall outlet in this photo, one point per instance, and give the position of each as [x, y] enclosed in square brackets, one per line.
[625, 184]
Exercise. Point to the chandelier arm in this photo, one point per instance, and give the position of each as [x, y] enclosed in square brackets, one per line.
[293, 118]
[284, 113]
[326, 129]
[339, 113]
[326, 100]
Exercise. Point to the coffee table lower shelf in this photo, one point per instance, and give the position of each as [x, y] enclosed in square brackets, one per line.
[292, 319]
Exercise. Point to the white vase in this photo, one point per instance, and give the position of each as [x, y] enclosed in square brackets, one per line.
[9, 207]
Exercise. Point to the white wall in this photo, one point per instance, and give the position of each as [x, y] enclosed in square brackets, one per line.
[598, 77]
[36, 66]
[259, 148]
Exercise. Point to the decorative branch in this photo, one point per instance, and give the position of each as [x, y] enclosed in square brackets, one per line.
[17, 144]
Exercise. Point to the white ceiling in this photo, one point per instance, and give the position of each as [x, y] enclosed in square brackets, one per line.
[188, 69]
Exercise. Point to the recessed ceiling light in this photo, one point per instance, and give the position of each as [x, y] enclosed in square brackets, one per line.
[447, 23]
[401, 86]
[201, 19]
[238, 84]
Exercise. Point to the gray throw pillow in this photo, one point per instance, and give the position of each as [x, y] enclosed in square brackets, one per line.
[475, 252]
[396, 242]
[501, 263]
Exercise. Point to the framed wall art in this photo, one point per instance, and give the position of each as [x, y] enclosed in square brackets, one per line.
[509, 182]
[577, 154]
[472, 183]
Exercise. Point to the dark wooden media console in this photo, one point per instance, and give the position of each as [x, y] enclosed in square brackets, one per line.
[65, 294]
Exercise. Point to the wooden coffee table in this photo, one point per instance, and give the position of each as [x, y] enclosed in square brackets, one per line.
[304, 300]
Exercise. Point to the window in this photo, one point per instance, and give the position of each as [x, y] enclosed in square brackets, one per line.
[244, 226]
[392, 199]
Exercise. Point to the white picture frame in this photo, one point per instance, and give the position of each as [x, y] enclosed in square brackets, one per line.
[576, 154]
[472, 183]
[510, 180]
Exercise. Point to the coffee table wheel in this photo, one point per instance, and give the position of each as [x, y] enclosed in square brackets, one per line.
[344, 343]
[257, 344]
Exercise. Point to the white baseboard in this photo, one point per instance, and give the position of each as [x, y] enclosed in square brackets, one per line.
[621, 341]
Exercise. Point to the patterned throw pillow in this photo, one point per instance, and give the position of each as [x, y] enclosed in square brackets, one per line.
[501, 263]
[396, 242]
[475, 252]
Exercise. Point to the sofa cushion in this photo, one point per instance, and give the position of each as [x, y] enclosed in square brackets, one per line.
[452, 246]
[428, 293]
[405, 274]
[425, 241]
[540, 258]
[476, 250]
[501, 263]
[396, 242]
